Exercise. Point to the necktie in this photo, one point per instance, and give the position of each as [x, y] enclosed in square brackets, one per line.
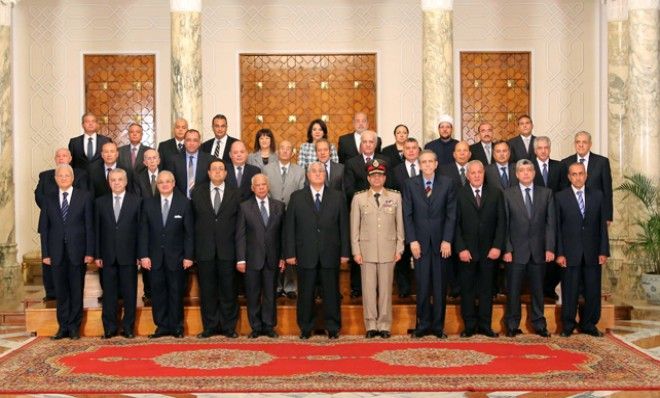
[581, 202]
[582, 160]
[477, 197]
[65, 206]
[107, 173]
[283, 174]
[327, 170]
[153, 184]
[528, 202]
[166, 210]
[368, 160]
[545, 174]
[191, 174]
[180, 146]
[216, 200]
[90, 148]
[216, 153]
[377, 196]
[462, 175]
[504, 177]
[487, 150]
[428, 189]
[239, 175]
[526, 142]
[117, 207]
[133, 156]
[317, 202]
[264, 212]
[413, 171]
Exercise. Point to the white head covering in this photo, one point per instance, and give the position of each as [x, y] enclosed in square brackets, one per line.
[445, 119]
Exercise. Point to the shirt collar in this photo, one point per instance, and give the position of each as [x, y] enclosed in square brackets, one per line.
[69, 191]
[314, 192]
[92, 136]
[264, 199]
[408, 163]
[286, 166]
[575, 190]
[221, 186]
[188, 154]
[585, 157]
[121, 195]
[169, 197]
[480, 188]
[522, 187]
[110, 166]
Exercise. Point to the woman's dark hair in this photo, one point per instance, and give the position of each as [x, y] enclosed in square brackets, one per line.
[321, 123]
[401, 125]
[259, 134]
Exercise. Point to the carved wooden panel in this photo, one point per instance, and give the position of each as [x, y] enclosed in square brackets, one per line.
[286, 92]
[494, 88]
[120, 90]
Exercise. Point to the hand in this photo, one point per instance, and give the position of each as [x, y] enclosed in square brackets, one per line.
[358, 259]
[240, 267]
[494, 253]
[88, 259]
[99, 262]
[397, 257]
[602, 260]
[46, 260]
[464, 256]
[291, 261]
[508, 257]
[145, 263]
[343, 259]
[445, 249]
[187, 263]
[609, 223]
[561, 261]
[549, 256]
[416, 250]
[282, 265]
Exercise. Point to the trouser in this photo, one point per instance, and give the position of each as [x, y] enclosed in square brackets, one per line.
[515, 274]
[588, 276]
[476, 283]
[218, 295]
[377, 295]
[329, 278]
[260, 295]
[68, 277]
[167, 298]
[119, 279]
[431, 277]
[403, 273]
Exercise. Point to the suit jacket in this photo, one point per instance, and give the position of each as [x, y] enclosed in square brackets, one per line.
[77, 232]
[493, 176]
[99, 182]
[257, 244]
[479, 229]
[355, 175]
[179, 165]
[317, 237]
[478, 153]
[167, 150]
[246, 184]
[554, 175]
[429, 221]
[451, 171]
[117, 240]
[529, 238]
[392, 153]
[518, 149]
[599, 177]
[207, 146]
[47, 184]
[336, 178]
[166, 245]
[579, 237]
[142, 184]
[443, 150]
[255, 159]
[400, 174]
[215, 233]
[124, 160]
[77, 147]
[348, 149]
[377, 231]
[282, 190]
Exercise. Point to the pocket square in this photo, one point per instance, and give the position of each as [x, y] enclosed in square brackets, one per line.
[178, 216]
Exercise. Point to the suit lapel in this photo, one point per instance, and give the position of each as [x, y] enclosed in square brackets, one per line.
[518, 198]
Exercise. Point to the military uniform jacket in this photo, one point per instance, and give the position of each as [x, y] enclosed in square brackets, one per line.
[377, 232]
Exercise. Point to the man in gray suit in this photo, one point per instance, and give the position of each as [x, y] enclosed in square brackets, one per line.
[334, 172]
[530, 244]
[131, 156]
[285, 178]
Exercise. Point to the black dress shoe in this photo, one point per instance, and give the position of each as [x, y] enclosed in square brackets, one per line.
[416, 334]
[565, 333]
[551, 295]
[108, 335]
[271, 333]
[513, 332]
[127, 335]
[100, 298]
[59, 335]
[48, 298]
[355, 293]
[467, 333]
[543, 332]
[385, 334]
[74, 335]
[254, 334]
[593, 332]
[280, 293]
[231, 335]
[178, 334]
[205, 334]
[404, 295]
[146, 300]
[291, 295]
[159, 333]
[371, 334]
[305, 335]
[333, 335]
[440, 335]
[488, 332]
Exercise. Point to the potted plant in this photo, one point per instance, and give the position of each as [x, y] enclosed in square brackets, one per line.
[646, 246]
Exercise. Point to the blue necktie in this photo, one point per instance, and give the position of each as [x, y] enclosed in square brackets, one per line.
[264, 212]
[545, 174]
[65, 206]
[581, 202]
[504, 177]
[528, 202]
[317, 202]
[90, 148]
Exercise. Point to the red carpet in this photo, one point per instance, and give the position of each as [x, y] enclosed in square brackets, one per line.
[350, 364]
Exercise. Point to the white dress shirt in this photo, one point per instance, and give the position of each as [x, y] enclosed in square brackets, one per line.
[68, 198]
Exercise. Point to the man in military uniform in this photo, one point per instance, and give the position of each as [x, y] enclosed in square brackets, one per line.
[377, 244]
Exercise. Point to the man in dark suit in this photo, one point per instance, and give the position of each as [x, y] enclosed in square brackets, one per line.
[239, 172]
[429, 215]
[355, 180]
[189, 168]
[443, 146]
[216, 205]
[334, 171]
[522, 145]
[316, 241]
[547, 174]
[48, 186]
[501, 174]
[530, 244]
[131, 156]
[582, 249]
[144, 186]
[99, 170]
[480, 233]
[220, 145]
[86, 148]
[483, 150]
[66, 225]
[349, 144]
[259, 253]
[174, 146]
[166, 247]
[599, 173]
[117, 220]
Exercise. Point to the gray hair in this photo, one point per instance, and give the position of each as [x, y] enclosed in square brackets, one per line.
[259, 175]
[119, 171]
[368, 132]
[429, 152]
[64, 166]
[542, 138]
[582, 132]
[315, 164]
[523, 162]
[472, 163]
[166, 173]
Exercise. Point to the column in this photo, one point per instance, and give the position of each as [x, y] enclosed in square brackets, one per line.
[437, 65]
[9, 275]
[186, 20]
